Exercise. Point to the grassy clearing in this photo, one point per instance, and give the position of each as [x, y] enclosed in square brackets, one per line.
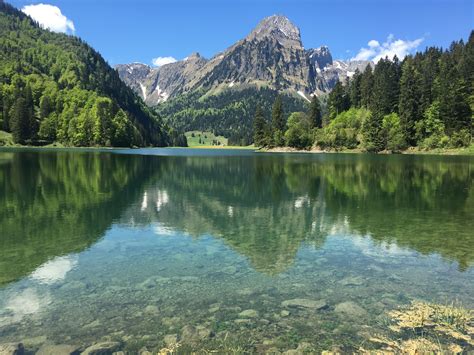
[205, 139]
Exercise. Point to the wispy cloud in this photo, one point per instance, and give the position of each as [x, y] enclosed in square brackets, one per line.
[159, 61]
[50, 17]
[391, 47]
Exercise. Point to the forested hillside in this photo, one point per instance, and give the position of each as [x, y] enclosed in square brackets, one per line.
[425, 101]
[56, 88]
[229, 113]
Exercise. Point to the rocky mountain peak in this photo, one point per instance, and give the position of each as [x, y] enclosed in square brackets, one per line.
[194, 56]
[320, 57]
[278, 27]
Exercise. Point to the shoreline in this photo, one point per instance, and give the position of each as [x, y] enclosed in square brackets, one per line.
[468, 151]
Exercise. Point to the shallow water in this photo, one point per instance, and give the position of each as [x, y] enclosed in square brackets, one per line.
[133, 245]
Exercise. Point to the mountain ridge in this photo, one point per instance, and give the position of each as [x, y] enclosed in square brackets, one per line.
[272, 55]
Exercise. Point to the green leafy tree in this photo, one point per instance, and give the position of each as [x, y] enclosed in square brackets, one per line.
[344, 131]
[430, 131]
[299, 133]
[372, 133]
[393, 132]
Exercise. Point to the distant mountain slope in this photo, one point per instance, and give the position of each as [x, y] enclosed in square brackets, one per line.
[272, 55]
[229, 112]
[55, 87]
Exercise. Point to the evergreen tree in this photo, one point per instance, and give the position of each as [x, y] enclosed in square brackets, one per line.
[259, 128]
[366, 86]
[453, 96]
[385, 91]
[275, 135]
[6, 113]
[31, 126]
[355, 93]
[410, 95]
[278, 121]
[338, 100]
[45, 106]
[19, 121]
[315, 113]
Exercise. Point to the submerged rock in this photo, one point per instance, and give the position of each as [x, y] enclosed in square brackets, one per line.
[350, 309]
[104, 348]
[170, 339]
[152, 309]
[61, 349]
[248, 313]
[191, 334]
[352, 281]
[303, 348]
[305, 303]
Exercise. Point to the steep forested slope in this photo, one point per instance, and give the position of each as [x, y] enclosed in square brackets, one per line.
[55, 87]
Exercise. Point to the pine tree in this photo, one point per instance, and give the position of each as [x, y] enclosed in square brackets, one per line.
[275, 135]
[19, 121]
[355, 93]
[259, 128]
[45, 106]
[366, 85]
[385, 92]
[453, 96]
[315, 114]
[6, 113]
[410, 95]
[338, 100]
[31, 126]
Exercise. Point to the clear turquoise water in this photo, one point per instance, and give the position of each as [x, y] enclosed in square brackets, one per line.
[133, 245]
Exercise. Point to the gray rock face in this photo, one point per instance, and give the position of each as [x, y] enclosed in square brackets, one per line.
[156, 85]
[272, 55]
[279, 28]
[320, 57]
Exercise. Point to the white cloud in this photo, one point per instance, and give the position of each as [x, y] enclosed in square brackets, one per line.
[159, 61]
[389, 48]
[373, 43]
[54, 270]
[50, 17]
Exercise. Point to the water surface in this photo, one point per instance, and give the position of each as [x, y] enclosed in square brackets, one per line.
[134, 245]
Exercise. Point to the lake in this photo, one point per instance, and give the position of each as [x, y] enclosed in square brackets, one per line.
[227, 249]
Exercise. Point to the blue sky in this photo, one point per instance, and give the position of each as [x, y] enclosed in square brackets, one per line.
[140, 30]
